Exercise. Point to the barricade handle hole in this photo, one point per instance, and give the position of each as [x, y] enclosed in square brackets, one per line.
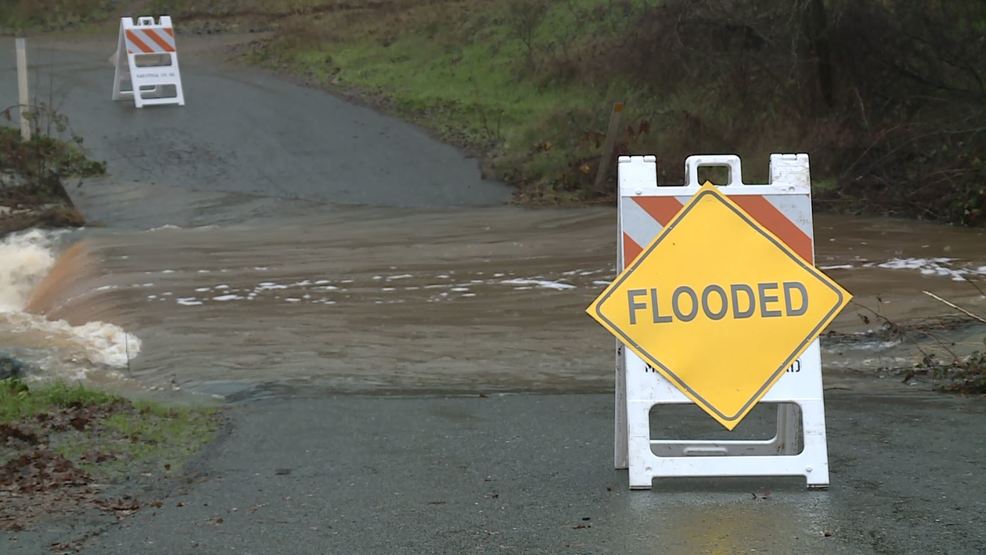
[152, 60]
[716, 174]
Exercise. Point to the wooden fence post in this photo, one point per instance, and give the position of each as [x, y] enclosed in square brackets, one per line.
[24, 99]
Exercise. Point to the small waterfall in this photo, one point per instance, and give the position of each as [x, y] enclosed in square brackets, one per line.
[25, 259]
[62, 276]
[33, 283]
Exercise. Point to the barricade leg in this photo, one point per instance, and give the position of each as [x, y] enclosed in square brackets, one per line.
[641, 469]
[620, 448]
[815, 450]
[787, 429]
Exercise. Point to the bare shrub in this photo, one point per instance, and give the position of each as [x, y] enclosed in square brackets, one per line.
[525, 18]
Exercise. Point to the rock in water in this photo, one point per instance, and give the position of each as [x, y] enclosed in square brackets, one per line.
[10, 367]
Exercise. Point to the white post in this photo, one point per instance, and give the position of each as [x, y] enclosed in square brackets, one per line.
[22, 87]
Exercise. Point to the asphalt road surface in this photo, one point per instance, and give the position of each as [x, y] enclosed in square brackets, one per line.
[247, 131]
[533, 474]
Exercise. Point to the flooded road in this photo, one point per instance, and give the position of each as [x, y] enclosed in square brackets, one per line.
[240, 267]
[354, 298]
[889, 264]
[237, 295]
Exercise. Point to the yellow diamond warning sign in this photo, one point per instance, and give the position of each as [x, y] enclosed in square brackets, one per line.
[719, 306]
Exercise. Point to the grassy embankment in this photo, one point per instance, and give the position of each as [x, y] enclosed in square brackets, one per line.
[63, 448]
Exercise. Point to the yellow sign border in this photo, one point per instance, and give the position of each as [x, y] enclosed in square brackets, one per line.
[706, 190]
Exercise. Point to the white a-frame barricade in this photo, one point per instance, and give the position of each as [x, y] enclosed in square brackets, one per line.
[783, 206]
[146, 62]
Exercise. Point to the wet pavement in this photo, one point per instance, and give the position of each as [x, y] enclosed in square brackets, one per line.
[533, 474]
[247, 131]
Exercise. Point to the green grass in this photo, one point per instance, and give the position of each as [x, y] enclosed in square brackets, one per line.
[130, 436]
[468, 89]
[157, 438]
[18, 401]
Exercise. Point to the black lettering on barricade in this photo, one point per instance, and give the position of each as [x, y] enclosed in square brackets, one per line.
[655, 311]
[751, 302]
[790, 310]
[635, 306]
[762, 288]
[795, 366]
[676, 306]
[723, 303]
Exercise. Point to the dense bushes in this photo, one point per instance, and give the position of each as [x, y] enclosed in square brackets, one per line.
[889, 96]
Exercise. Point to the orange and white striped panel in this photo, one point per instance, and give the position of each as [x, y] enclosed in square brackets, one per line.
[150, 40]
[786, 216]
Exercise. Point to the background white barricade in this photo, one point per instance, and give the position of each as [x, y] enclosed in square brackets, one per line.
[784, 207]
[146, 63]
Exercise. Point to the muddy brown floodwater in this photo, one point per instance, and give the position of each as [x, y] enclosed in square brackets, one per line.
[236, 295]
[197, 272]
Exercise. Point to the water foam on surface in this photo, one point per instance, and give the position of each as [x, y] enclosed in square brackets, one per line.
[302, 288]
[939, 267]
[542, 283]
[935, 267]
[65, 350]
[164, 227]
[92, 343]
[26, 257]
